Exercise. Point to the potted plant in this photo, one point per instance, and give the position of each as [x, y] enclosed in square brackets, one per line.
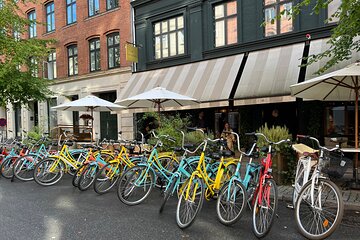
[284, 160]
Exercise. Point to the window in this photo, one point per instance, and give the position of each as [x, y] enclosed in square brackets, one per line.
[34, 67]
[332, 8]
[50, 66]
[93, 7]
[113, 44]
[72, 60]
[71, 11]
[169, 37]
[32, 25]
[271, 9]
[52, 115]
[50, 17]
[110, 4]
[225, 16]
[94, 45]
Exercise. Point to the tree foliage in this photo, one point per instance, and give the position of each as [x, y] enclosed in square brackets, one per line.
[18, 81]
[345, 35]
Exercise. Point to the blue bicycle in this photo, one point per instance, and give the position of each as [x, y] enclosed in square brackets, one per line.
[238, 191]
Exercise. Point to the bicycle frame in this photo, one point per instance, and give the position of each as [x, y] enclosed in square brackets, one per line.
[65, 157]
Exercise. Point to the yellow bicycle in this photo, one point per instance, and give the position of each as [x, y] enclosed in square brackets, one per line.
[202, 184]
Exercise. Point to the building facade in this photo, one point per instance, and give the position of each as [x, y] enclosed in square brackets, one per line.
[87, 58]
[220, 53]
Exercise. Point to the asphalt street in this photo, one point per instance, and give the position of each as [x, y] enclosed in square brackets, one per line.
[30, 211]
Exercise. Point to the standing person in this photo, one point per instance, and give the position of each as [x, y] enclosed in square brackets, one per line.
[230, 138]
[201, 122]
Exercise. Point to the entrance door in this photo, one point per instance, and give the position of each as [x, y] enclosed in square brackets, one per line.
[108, 121]
[75, 117]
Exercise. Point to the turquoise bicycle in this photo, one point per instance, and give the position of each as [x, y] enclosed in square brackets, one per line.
[137, 182]
[237, 191]
[24, 166]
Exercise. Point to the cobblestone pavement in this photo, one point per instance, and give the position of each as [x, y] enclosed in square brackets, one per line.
[351, 197]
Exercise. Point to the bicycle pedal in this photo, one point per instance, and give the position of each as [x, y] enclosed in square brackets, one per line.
[290, 206]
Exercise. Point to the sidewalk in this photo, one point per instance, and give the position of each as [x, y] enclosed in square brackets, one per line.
[351, 197]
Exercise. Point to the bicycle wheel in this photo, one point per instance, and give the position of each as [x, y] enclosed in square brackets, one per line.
[7, 167]
[77, 175]
[87, 177]
[299, 182]
[231, 202]
[189, 206]
[107, 177]
[48, 172]
[229, 172]
[265, 208]
[24, 167]
[318, 220]
[168, 162]
[135, 185]
[167, 194]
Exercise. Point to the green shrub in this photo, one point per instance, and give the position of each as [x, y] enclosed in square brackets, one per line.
[170, 125]
[288, 156]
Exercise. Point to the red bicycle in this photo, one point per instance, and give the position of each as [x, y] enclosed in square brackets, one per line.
[266, 200]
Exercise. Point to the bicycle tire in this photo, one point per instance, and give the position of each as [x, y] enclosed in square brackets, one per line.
[226, 205]
[197, 187]
[263, 230]
[76, 177]
[304, 201]
[43, 167]
[29, 173]
[87, 177]
[167, 194]
[7, 167]
[103, 183]
[128, 184]
[230, 170]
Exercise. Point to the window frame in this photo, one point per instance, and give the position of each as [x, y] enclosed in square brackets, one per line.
[73, 57]
[113, 47]
[50, 13]
[71, 5]
[177, 30]
[225, 18]
[95, 50]
[110, 8]
[94, 7]
[52, 62]
[32, 26]
[277, 4]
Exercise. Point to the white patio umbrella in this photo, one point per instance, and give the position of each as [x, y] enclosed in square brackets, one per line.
[340, 85]
[157, 97]
[89, 103]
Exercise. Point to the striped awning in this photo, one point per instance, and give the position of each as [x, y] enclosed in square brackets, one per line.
[319, 46]
[206, 81]
[270, 72]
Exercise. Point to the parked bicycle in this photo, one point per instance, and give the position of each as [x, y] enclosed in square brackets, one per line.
[319, 206]
[238, 191]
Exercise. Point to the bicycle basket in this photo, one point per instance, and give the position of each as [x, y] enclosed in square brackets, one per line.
[335, 164]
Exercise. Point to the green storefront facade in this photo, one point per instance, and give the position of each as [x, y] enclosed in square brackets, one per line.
[220, 53]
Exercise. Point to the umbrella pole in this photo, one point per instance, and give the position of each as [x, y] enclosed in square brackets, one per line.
[92, 125]
[356, 134]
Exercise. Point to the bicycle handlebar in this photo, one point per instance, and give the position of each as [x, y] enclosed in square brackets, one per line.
[318, 143]
[267, 140]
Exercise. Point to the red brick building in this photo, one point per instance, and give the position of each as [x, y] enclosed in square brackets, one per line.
[88, 58]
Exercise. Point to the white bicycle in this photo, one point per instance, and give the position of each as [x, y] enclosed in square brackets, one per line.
[319, 205]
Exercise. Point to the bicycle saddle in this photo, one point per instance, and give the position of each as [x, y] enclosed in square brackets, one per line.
[177, 149]
[130, 148]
